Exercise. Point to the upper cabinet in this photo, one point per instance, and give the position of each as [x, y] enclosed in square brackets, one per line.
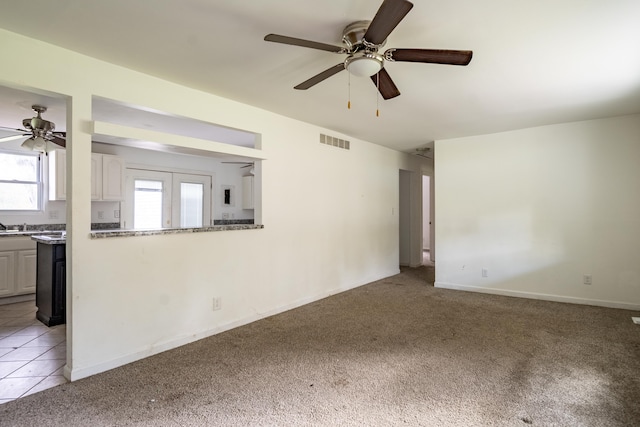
[112, 177]
[58, 175]
[107, 176]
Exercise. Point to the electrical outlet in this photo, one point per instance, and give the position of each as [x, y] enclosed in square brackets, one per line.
[53, 214]
[116, 213]
[587, 279]
[217, 303]
[225, 215]
[485, 272]
[100, 214]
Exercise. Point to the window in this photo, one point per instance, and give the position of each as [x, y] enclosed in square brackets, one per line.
[148, 204]
[20, 182]
[191, 202]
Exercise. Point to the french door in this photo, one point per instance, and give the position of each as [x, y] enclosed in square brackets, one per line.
[156, 199]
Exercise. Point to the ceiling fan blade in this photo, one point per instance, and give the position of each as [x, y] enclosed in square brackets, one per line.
[386, 86]
[12, 137]
[320, 77]
[26, 132]
[430, 56]
[388, 16]
[58, 141]
[58, 138]
[276, 38]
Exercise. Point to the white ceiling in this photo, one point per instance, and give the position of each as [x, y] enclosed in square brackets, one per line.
[535, 62]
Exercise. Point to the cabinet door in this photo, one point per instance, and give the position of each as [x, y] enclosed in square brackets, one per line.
[26, 274]
[6, 272]
[112, 177]
[96, 176]
[247, 192]
[57, 175]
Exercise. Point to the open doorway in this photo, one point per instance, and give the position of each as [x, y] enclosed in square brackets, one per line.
[404, 218]
[428, 241]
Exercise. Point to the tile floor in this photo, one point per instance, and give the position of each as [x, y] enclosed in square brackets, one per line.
[32, 356]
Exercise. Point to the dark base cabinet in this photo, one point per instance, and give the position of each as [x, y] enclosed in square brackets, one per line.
[51, 284]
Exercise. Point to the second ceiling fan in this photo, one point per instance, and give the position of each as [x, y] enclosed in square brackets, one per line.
[363, 39]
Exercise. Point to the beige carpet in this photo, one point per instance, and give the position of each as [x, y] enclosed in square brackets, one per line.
[394, 352]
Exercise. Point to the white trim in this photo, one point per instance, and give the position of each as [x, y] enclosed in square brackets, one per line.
[539, 296]
[79, 373]
[17, 298]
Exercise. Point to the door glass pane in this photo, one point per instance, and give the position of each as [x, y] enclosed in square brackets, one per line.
[147, 204]
[191, 200]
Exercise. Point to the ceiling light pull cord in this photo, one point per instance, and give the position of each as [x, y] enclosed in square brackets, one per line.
[378, 95]
[349, 96]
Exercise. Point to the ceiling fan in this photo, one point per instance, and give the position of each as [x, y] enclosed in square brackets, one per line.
[363, 39]
[40, 131]
[246, 164]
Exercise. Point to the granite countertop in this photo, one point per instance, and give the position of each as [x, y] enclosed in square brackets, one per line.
[51, 237]
[59, 238]
[17, 233]
[101, 234]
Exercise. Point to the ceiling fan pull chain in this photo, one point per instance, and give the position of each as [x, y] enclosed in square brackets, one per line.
[378, 95]
[349, 93]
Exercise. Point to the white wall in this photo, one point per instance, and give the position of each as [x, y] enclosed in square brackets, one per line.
[330, 224]
[539, 208]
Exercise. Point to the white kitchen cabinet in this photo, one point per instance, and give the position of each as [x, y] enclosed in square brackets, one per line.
[112, 177]
[107, 176]
[58, 175]
[18, 266]
[247, 192]
[96, 176]
[27, 265]
[7, 272]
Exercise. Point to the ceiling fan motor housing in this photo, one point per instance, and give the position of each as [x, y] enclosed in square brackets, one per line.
[363, 59]
[353, 36]
[37, 124]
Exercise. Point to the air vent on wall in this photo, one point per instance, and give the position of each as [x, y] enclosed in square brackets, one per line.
[336, 142]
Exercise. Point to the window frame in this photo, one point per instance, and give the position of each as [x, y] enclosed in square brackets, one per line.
[39, 183]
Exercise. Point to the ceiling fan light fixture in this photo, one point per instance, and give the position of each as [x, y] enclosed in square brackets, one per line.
[35, 143]
[364, 64]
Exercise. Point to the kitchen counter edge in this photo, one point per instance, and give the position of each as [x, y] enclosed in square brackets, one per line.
[102, 234]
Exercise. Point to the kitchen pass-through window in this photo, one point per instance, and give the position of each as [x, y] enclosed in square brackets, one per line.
[20, 182]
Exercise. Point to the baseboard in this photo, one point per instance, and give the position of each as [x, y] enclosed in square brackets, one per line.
[539, 296]
[75, 374]
[17, 298]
